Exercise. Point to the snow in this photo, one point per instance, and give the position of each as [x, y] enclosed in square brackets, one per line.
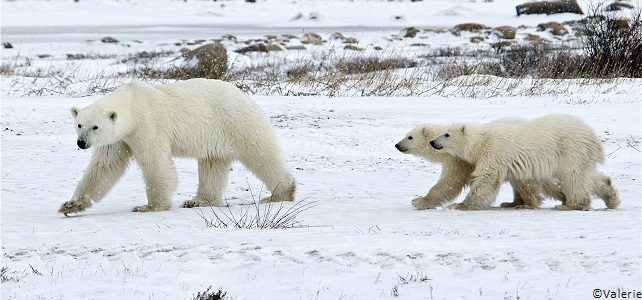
[362, 236]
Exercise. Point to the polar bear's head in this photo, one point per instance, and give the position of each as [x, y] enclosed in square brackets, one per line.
[417, 141]
[95, 126]
[451, 139]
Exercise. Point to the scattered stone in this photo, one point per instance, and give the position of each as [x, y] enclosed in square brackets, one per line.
[211, 60]
[549, 7]
[378, 48]
[252, 48]
[75, 56]
[229, 37]
[556, 28]
[337, 36]
[535, 38]
[505, 32]
[418, 45]
[353, 48]
[411, 32]
[178, 44]
[619, 5]
[312, 38]
[398, 18]
[295, 47]
[351, 40]
[7, 45]
[470, 27]
[477, 39]
[273, 47]
[109, 40]
[45, 55]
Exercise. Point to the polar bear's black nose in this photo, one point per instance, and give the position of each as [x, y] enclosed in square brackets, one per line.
[402, 149]
[434, 145]
[82, 144]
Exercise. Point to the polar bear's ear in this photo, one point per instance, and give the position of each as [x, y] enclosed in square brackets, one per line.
[74, 112]
[425, 131]
[113, 115]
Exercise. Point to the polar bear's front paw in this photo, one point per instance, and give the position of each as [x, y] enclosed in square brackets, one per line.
[73, 206]
[272, 199]
[423, 203]
[150, 208]
[509, 204]
[464, 206]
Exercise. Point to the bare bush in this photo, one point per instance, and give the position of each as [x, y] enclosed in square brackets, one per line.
[417, 277]
[211, 295]
[357, 65]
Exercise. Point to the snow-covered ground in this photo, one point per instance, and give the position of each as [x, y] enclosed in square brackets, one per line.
[362, 239]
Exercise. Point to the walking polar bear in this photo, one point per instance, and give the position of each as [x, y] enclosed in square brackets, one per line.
[557, 148]
[456, 172]
[210, 120]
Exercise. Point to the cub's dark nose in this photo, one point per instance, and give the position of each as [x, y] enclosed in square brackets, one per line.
[81, 144]
[433, 144]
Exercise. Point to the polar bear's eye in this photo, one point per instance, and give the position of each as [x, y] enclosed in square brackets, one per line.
[410, 137]
[447, 135]
[79, 126]
[95, 127]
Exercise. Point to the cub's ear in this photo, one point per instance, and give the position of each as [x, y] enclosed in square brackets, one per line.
[113, 115]
[74, 112]
[425, 131]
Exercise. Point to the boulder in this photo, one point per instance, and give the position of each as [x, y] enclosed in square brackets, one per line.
[209, 60]
[411, 32]
[312, 38]
[556, 28]
[549, 7]
[109, 40]
[505, 32]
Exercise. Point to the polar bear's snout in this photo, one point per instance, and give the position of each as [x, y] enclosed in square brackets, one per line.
[436, 145]
[400, 147]
[82, 144]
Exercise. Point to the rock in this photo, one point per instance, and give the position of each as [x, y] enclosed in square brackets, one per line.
[229, 37]
[75, 56]
[411, 32]
[273, 47]
[45, 55]
[549, 7]
[312, 38]
[109, 40]
[470, 27]
[505, 32]
[351, 40]
[211, 60]
[556, 28]
[252, 48]
[353, 48]
[295, 47]
[535, 38]
[619, 5]
[7, 45]
[337, 36]
[378, 48]
[477, 39]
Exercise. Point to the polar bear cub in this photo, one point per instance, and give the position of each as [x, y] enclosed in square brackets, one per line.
[456, 172]
[210, 120]
[556, 147]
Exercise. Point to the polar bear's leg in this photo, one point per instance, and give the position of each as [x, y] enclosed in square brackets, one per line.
[525, 194]
[107, 165]
[212, 179]
[484, 188]
[160, 176]
[452, 181]
[553, 189]
[268, 165]
[575, 186]
[603, 187]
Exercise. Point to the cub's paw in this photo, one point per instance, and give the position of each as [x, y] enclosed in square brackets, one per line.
[423, 203]
[73, 206]
[524, 206]
[508, 204]
[583, 207]
[150, 208]
[272, 199]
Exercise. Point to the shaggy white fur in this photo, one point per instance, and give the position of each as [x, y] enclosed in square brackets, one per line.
[560, 150]
[210, 120]
[456, 172]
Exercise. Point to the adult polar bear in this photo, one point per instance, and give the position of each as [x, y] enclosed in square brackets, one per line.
[456, 173]
[210, 120]
[553, 147]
